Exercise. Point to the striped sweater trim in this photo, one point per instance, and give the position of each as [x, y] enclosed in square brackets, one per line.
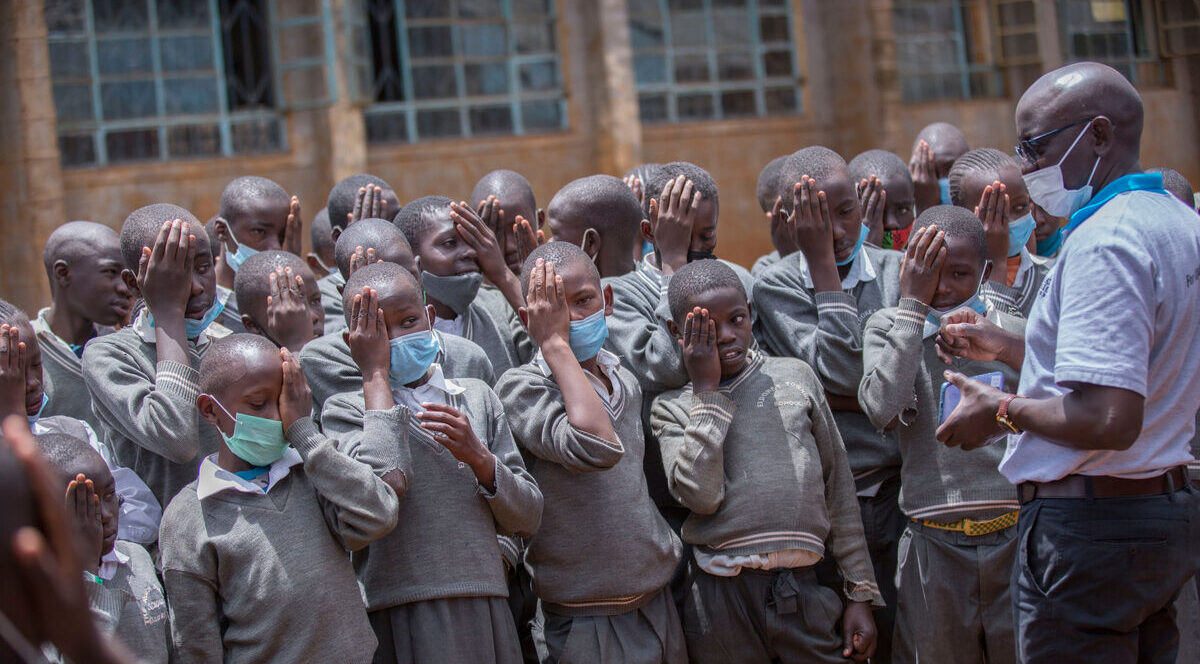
[178, 379]
[781, 536]
[753, 363]
[607, 606]
[958, 507]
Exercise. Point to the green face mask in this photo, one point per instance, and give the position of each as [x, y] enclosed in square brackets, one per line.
[255, 440]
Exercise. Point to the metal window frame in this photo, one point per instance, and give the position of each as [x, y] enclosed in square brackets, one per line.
[463, 102]
[963, 67]
[99, 128]
[1166, 26]
[758, 84]
[1136, 57]
[1000, 30]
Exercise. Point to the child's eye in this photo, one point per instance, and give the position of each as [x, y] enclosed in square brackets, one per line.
[903, 210]
[738, 318]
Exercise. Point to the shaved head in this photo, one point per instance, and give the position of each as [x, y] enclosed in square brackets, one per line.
[510, 187]
[768, 183]
[229, 359]
[816, 161]
[947, 142]
[1176, 185]
[383, 236]
[562, 255]
[388, 279]
[142, 225]
[78, 238]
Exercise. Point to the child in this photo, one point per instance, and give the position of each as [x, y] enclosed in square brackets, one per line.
[811, 307]
[956, 555]
[254, 549]
[748, 432]
[767, 193]
[435, 588]
[142, 378]
[123, 588]
[934, 152]
[604, 555]
[891, 218]
[636, 179]
[256, 214]
[88, 299]
[360, 196]
[989, 182]
[320, 260]
[1048, 232]
[514, 196]
[599, 214]
[1177, 185]
[328, 365]
[279, 299]
[451, 276]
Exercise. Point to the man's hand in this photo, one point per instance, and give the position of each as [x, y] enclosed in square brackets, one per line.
[700, 356]
[453, 431]
[295, 399]
[973, 423]
[165, 273]
[12, 372]
[84, 505]
[368, 336]
[294, 229]
[858, 632]
[966, 334]
[672, 216]
[548, 319]
[289, 320]
[923, 169]
[872, 200]
[526, 238]
[993, 212]
[368, 204]
[362, 258]
[922, 265]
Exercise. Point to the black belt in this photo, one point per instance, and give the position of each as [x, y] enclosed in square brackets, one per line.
[1103, 486]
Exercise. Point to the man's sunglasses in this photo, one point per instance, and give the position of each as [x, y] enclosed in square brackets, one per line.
[1027, 148]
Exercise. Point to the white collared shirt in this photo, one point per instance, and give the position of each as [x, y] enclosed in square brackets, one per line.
[862, 269]
[1023, 269]
[110, 563]
[608, 363]
[456, 326]
[215, 479]
[437, 389]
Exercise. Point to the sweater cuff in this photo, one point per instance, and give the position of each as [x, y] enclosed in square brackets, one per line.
[178, 379]
[910, 315]
[835, 303]
[863, 591]
[304, 436]
[711, 408]
[397, 414]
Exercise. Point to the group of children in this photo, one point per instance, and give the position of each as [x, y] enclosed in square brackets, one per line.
[439, 437]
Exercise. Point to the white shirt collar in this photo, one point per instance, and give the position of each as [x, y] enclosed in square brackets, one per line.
[1024, 268]
[455, 326]
[608, 363]
[214, 479]
[862, 269]
[437, 382]
[111, 562]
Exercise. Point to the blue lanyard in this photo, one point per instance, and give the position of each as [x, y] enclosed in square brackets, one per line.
[1124, 184]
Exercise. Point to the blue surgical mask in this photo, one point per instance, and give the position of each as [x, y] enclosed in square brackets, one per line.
[193, 327]
[1050, 245]
[34, 418]
[933, 320]
[588, 336]
[456, 291]
[235, 260]
[862, 237]
[944, 191]
[255, 440]
[1019, 231]
[647, 247]
[411, 356]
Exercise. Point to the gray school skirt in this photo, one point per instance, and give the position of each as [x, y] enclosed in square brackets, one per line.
[455, 630]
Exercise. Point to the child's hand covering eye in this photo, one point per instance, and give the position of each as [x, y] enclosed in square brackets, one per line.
[295, 398]
[672, 217]
[811, 223]
[922, 265]
[289, 319]
[368, 335]
[700, 357]
[872, 200]
[368, 204]
[549, 319]
[165, 272]
[84, 505]
[12, 372]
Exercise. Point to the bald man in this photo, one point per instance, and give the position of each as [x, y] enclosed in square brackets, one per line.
[1110, 384]
[934, 152]
[88, 298]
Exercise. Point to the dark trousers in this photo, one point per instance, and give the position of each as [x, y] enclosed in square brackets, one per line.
[883, 523]
[1095, 579]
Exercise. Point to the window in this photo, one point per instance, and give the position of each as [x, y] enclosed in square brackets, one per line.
[1178, 27]
[1115, 32]
[944, 50]
[713, 59]
[143, 80]
[458, 68]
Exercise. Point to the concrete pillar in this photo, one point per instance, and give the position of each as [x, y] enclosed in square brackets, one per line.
[347, 150]
[1048, 36]
[609, 66]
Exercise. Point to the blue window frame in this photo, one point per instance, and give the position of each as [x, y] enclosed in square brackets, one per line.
[714, 59]
[944, 50]
[1115, 32]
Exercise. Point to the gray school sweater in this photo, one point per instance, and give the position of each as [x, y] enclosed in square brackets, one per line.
[904, 377]
[765, 261]
[257, 578]
[230, 317]
[133, 606]
[330, 370]
[497, 306]
[331, 301]
[490, 334]
[763, 469]
[445, 542]
[826, 331]
[1017, 300]
[147, 409]
[62, 372]
[603, 547]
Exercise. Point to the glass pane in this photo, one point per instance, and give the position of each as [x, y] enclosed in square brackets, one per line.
[387, 128]
[739, 103]
[257, 136]
[650, 69]
[73, 102]
[77, 150]
[539, 76]
[491, 120]
[64, 16]
[691, 69]
[182, 14]
[542, 115]
[132, 145]
[193, 141]
[735, 66]
[133, 99]
[652, 108]
[186, 53]
[69, 60]
[436, 82]
[479, 8]
[688, 27]
[438, 124]
[777, 63]
[189, 95]
[426, 8]
[486, 39]
[531, 7]
[120, 16]
[646, 32]
[694, 106]
[780, 100]
[430, 42]
[124, 56]
[775, 29]
[534, 38]
[486, 79]
[732, 27]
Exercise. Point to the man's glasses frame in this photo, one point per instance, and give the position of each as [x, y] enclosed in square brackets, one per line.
[1027, 148]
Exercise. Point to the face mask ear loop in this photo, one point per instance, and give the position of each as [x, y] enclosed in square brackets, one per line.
[223, 410]
[1074, 143]
[1094, 167]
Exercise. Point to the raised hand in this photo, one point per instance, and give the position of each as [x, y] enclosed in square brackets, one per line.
[362, 259]
[368, 204]
[872, 200]
[294, 229]
[547, 317]
[921, 267]
[289, 319]
[527, 239]
[781, 234]
[84, 504]
[993, 212]
[923, 169]
[964, 333]
[165, 272]
[672, 216]
[479, 236]
[490, 212]
[452, 429]
[811, 224]
[12, 372]
[295, 397]
[636, 185]
[368, 336]
[700, 357]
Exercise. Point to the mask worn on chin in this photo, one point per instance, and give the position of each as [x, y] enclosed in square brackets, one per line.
[862, 237]
[944, 191]
[255, 440]
[193, 328]
[1048, 189]
[647, 247]
[1050, 245]
[457, 291]
[411, 356]
[588, 336]
[693, 256]
[34, 418]
[933, 320]
[235, 260]
[1019, 231]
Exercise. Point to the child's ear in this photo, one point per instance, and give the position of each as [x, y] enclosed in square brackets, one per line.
[62, 273]
[130, 280]
[314, 263]
[608, 300]
[221, 228]
[208, 410]
[430, 313]
[647, 231]
[251, 326]
[591, 243]
[674, 329]
[335, 233]
[541, 219]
